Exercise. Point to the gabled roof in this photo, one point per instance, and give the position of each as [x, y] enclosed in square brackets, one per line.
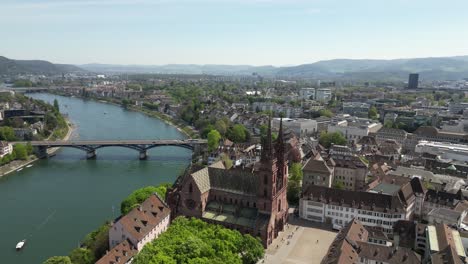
[121, 253]
[314, 165]
[235, 180]
[391, 255]
[141, 220]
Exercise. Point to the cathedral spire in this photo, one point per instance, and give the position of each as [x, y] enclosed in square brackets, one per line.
[280, 140]
[267, 149]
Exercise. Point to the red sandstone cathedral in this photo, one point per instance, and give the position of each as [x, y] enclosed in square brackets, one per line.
[249, 199]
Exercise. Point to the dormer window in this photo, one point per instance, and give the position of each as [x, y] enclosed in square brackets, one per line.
[138, 229]
[144, 222]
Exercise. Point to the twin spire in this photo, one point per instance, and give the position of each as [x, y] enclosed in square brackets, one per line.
[267, 143]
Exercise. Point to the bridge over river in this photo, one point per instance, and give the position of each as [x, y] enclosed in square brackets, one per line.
[142, 146]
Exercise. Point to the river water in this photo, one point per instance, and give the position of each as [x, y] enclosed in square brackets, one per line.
[55, 203]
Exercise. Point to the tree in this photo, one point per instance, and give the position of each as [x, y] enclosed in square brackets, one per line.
[327, 139]
[326, 113]
[373, 112]
[7, 133]
[226, 160]
[20, 151]
[29, 148]
[238, 133]
[58, 260]
[296, 172]
[82, 256]
[195, 241]
[293, 192]
[56, 106]
[339, 185]
[98, 241]
[213, 140]
[221, 126]
[138, 196]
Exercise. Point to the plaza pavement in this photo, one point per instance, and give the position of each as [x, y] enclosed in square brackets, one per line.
[298, 243]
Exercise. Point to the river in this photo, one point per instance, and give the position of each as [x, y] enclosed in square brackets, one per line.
[55, 203]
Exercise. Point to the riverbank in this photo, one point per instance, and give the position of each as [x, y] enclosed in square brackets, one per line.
[182, 128]
[20, 164]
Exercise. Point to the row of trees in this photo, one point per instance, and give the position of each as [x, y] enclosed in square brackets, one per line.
[195, 241]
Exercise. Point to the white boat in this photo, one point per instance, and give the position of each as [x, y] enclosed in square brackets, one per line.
[20, 169]
[20, 244]
[29, 166]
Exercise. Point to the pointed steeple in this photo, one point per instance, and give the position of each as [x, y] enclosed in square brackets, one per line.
[267, 148]
[280, 140]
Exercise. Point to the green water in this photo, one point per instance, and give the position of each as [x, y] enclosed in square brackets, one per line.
[55, 203]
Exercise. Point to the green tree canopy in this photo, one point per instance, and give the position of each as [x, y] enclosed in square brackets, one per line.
[339, 185]
[195, 241]
[20, 151]
[213, 140]
[326, 113]
[327, 139]
[138, 196]
[222, 126]
[295, 172]
[58, 260]
[7, 133]
[56, 106]
[373, 112]
[238, 133]
[82, 256]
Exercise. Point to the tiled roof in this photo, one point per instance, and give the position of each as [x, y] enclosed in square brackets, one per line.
[121, 253]
[141, 220]
[343, 249]
[387, 254]
[236, 180]
[317, 165]
[355, 199]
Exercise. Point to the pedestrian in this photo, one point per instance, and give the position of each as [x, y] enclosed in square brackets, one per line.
[317, 241]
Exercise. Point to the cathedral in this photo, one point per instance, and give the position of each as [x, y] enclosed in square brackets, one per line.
[251, 200]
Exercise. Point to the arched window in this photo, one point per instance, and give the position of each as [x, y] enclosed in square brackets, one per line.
[265, 179]
[255, 205]
[190, 188]
[279, 205]
[265, 192]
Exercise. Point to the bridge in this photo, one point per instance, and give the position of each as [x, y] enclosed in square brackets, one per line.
[142, 146]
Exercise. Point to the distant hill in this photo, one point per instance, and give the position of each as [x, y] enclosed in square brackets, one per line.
[9, 66]
[373, 70]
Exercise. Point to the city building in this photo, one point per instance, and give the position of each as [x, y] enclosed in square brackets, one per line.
[358, 109]
[122, 253]
[317, 172]
[350, 171]
[356, 244]
[413, 81]
[307, 93]
[457, 108]
[249, 199]
[340, 207]
[301, 127]
[446, 151]
[443, 245]
[5, 148]
[354, 131]
[142, 224]
[323, 95]
[433, 134]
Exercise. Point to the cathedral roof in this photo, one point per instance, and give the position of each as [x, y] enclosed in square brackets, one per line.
[237, 180]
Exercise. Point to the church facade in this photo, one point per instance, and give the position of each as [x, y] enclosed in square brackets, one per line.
[251, 200]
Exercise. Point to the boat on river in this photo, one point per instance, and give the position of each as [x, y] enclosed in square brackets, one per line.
[29, 166]
[20, 245]
[20, 169]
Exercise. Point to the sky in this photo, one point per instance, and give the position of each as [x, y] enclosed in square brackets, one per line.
[255, 32]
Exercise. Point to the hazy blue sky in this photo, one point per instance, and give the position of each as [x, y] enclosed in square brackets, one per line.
[258, 32]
